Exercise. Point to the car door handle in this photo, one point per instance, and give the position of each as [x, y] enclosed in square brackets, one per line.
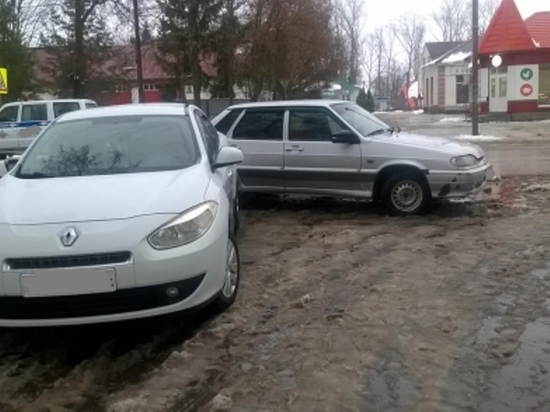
[294, 149]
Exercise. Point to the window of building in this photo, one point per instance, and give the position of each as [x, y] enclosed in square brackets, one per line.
[462, 89]
[544, 85]
[119, 88]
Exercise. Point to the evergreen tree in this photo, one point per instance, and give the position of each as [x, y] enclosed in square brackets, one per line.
[14, 56]
[78, 43]
[362, 99]
[185, 37]
[370, 106]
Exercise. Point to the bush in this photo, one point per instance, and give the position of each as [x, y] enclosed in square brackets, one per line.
[366, 100]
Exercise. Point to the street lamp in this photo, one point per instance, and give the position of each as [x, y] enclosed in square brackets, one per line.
[475, 67]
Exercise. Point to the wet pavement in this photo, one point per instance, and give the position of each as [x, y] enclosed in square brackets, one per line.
[341, 308]
[514, 148]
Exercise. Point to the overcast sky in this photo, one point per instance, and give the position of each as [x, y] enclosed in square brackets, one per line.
[380, 12]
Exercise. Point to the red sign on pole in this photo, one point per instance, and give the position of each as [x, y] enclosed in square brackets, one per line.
[526, 90]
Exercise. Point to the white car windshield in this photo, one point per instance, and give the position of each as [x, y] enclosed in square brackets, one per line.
[360, 119]
[111, 145]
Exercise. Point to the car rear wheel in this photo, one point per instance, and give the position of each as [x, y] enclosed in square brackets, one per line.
[406, 194]
[232, 277]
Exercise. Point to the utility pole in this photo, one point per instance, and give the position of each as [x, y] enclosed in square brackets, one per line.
[475, 68]
[138, 53]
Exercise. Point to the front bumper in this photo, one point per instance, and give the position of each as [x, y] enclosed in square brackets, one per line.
[197, 269]
[459, 183]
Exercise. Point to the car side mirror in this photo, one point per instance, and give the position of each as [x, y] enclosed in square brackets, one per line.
[345, 136]
[11, 162]
[228, 156]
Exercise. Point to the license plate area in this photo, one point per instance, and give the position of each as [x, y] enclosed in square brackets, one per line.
[50, 283]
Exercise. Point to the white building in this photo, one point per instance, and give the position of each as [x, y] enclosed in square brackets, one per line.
[445, 78]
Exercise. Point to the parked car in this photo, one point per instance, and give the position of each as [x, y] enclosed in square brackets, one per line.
[21, 122]
[119, 213]
[337, 148]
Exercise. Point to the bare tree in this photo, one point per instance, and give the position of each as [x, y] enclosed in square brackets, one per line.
[351, 15]
[487, 10]
[410, 31]
[453, 18]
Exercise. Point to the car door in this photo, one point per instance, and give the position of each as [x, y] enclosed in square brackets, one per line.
[34, 118]
[259, 135]
[313, 163]
[9, 116]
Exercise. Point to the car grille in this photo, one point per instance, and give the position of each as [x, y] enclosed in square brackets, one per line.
[121, 301]
[56, 262]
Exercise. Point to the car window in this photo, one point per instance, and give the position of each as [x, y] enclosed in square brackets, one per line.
[91, 105]
[34, 112]
[112, 145]
[9, 114]
[260, 125]
[315, 125]
[209, 135]
[360, 119]
[65, 107]
[228, 121]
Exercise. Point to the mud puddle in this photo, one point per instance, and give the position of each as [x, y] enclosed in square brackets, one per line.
[524, 384]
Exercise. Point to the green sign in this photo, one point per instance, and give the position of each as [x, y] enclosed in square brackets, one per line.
[526, 74]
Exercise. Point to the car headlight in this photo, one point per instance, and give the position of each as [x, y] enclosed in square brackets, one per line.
[466, 161]
[186, 228]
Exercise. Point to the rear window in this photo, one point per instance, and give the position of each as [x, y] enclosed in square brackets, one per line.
[60, 109]
[228, 121]
[112, 145]
[260, 125]
[91, 105]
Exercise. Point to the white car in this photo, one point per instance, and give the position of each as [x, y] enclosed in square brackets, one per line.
[119, 213]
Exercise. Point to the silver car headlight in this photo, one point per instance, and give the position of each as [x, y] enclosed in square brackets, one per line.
[186, 228]
[466, 161]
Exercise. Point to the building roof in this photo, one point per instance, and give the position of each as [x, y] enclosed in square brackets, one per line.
[120, 64]
[539, 28]
[507, 32]
[457, 54]
[438, 49]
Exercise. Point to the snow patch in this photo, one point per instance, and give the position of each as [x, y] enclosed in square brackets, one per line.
[481, 138]
[418, 111]
[452, 120]
[456, 57]
[539, 187]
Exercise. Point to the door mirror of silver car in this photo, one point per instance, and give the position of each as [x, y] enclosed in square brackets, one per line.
[228, 156]
[345, 136]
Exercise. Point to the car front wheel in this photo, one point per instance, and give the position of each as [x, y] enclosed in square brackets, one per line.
[232, 277]
[406, 194]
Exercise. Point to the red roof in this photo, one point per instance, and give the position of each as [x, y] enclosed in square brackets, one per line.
[539, 27]
[507, 32]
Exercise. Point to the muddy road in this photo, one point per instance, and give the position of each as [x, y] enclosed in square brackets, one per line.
[341, 309]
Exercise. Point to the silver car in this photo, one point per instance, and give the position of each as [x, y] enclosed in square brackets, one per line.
[337, 148]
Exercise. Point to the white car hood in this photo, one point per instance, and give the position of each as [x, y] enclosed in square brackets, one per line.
[451, 146]
[94, 198]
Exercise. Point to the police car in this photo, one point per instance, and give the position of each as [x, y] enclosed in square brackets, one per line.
[20, 122]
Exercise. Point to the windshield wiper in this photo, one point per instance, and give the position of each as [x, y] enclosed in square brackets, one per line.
[35, 175]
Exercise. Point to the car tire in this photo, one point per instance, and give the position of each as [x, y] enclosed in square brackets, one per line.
[232, 278]
[406, 194]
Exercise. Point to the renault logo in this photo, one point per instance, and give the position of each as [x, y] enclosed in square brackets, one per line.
[68, 237]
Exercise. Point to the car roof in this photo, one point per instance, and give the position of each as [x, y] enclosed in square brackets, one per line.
[158, 109]
[51, 101]
[286, 103]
